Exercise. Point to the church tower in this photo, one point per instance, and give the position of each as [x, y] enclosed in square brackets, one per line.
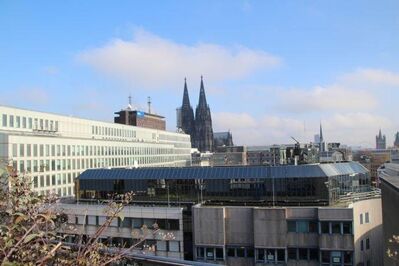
[203, 139]
[380, 141]
[187, 115]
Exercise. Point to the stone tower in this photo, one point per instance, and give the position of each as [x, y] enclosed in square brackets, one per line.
[203, 139]
[187, 115]
[380, 142]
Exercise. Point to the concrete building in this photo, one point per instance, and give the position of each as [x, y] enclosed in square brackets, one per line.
[389, 177]
[242, 235]
[137, 118]
[267, 155]
[372, 160]
[55, 149]
[229, 155]
[163, 231]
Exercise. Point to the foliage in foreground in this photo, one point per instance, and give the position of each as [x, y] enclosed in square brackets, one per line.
[29, 224]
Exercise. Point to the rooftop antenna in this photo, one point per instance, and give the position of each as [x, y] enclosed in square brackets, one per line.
[129, 106]
[149, 104]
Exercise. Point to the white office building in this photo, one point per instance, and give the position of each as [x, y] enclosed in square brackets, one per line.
[54, 149]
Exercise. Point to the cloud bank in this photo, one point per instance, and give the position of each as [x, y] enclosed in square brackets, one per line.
[150, 61]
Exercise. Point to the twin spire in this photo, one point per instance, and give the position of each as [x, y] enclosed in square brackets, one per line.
[202, 97]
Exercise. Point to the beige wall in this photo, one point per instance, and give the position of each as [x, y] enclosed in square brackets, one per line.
[371, 230]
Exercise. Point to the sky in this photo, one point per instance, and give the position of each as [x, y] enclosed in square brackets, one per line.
[272, 69]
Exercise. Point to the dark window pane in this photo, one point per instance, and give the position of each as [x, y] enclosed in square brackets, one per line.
[325, 256]
[291, 226]
[348, 257]
[361, 245]
[325, 228]
[270, 253]
[303, 253]
[250, 252]
[367, 243]
[200, 252]
[209, 253]
[292, 253]
[336, 228]
[313, 227]
[336, 256]
[173, 224]
[347, 226]
[313, 254]
[240, 252]
[261, 254]
[280, 255]
[219, 254]
[231, 252]
[303, 226]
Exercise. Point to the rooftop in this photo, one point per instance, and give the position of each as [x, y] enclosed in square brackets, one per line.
[228, 172]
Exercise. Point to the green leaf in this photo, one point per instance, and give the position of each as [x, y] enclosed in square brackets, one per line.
[30, 238]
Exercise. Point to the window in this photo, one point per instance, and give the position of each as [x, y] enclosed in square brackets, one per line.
[219, 254]
[241, 252]
[11, 121]
[367, 243]
[291, 226]
[231, 252]
[336, 227]
[325, 256]
[30, 124]
[314, 254]
[18, 122]
[325, 227]
[302, 226]
[303, 253]
[210, 253]
[200, 251]
[270, 253]
[260, 255]
[280, 255]
[313, 228]
[347, 227]
[366, 218]
[292, 253]
[347, 257]
[4, 120]
[23, 122]
[361, 218]
[14, 150]
[336, 256]
[21, 150]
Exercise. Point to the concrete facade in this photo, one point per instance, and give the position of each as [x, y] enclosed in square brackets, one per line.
[166, 242]
[286, 235]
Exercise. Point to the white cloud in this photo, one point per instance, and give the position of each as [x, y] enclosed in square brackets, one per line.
[153, 62]
[357, 128]
[333, 98]
[372, 78]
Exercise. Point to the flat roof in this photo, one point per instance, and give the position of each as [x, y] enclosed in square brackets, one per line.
[227, 172]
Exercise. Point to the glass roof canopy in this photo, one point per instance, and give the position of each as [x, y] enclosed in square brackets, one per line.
[227, 172]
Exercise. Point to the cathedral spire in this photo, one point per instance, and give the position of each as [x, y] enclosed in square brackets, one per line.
[321, 133]
[186, 99]
[202, 97]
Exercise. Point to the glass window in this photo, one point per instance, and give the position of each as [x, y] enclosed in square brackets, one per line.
[302, 226]
[336, 227]
[231, 252]
[325, 227]
[30, 123]
[325, 256]
[347, 227]
[17, 122]
[240, 252]
[291, 253]
[219, 253]
[367, 243]
[4, 120]
[11, 121]
[137, 223]
[260, 255]
[210, 254]
[303, 253]
[23, 122]
[200, 250]
[336, 256]
[14, 150]
[313, 227]
[361, 218]
[314, 254]
[21, 150]
[250, 252]
[291, 226]
[35, 182]
[280, 255]
[174, 246]
[348, 257]
[366, 218]
[270, 253]
[361, 245]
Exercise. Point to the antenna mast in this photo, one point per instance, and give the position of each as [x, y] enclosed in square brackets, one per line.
[149, 104]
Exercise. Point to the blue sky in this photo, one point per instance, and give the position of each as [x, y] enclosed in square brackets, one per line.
[272, 69]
